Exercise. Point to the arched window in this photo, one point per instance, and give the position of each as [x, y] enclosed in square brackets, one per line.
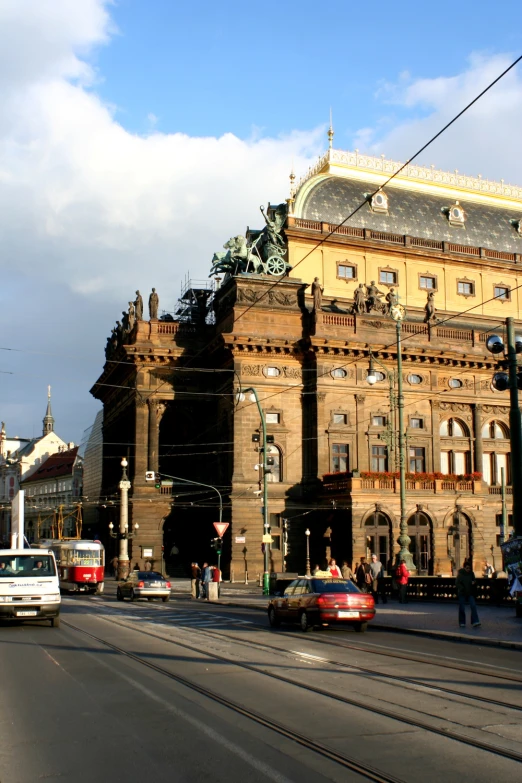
[495, 429]
[454, 428]
[275, 470]
[378, 533]
[419, 531]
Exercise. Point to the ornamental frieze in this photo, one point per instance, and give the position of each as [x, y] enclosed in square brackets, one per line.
[284, 371]
[462, 407]
[269, 297]
[499, 410]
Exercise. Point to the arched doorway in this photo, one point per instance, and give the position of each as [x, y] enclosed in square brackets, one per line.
[460, 543]
[378, 536]
[421, 534]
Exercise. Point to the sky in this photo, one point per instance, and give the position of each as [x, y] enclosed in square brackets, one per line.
[136, 137]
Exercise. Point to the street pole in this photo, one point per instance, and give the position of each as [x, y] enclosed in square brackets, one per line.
[503, 518]
[404, 539]
[308, 570]
[515, 425]
[123, 554]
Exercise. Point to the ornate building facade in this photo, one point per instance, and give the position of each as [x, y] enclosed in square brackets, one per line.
[301, 312]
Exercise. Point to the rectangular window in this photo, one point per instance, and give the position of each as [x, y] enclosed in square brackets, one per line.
[503, 463]
[275, 520]
[388, 277]
[429, 283]
[339, 418]
[459, 463]
[379, 458]
[417, 424]
[466, 288]
[378, 421]
[445, 462]
[486, 467]
[345, 271]
[276, 543]
[416, 460]
[339, 457]
[272, 418]
[502, 292]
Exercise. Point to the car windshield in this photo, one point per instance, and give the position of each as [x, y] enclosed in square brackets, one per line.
[20, 566]
[333, 586]
[148, 575]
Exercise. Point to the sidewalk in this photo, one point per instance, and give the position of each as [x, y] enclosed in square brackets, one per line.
[499, 628]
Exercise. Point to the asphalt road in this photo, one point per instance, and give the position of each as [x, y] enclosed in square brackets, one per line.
[211, 693]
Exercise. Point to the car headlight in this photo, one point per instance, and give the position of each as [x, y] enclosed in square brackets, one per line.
[53, 597]
[4, 598]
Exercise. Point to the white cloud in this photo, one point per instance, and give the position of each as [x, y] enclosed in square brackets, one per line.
[93, 211]
[481, 141]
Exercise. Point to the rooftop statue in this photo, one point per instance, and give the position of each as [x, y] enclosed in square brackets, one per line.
[359, 300]
[153, 305]
[238, 258]
[131, 318]
[373, 298]
[429, 308]
[138, 305]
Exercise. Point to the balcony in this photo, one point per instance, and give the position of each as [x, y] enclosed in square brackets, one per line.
[344, 483]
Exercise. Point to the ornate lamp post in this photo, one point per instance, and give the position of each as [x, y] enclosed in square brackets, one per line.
[123, 533]
[308, 570]
[397, 312]
[266, 527]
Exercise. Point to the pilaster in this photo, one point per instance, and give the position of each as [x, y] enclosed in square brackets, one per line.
[477, 433]
[156, 411]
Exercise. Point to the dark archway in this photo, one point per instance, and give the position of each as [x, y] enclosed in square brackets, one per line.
[420, 531]
[378, 535]
[460, 539]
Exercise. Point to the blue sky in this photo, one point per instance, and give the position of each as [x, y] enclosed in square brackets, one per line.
[211, 68]
[137, 137]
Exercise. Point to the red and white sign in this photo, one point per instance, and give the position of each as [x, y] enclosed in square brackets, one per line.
[220, 528]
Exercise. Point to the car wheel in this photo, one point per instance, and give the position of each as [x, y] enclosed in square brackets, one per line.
[132, 596]
[360, 627]
[303, 622]
[273, 619]
[55, 622]
[165, 599]
[119, 595]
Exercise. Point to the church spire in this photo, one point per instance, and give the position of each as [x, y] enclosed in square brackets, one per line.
[330, 132]
[48, 421]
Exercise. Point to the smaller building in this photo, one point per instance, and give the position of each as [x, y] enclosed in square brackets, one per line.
[53, 497]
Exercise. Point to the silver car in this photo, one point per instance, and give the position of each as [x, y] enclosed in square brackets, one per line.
[144, 584]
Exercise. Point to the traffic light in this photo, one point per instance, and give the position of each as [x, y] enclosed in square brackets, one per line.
[157, 480]
[500, 381]
[270, 439]
[217, 545]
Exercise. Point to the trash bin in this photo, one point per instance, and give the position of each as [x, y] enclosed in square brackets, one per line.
[212, 591]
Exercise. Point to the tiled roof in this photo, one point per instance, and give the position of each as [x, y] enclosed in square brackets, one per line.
[414, 213]
[60, 464]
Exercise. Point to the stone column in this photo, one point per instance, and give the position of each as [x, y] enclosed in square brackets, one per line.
[435, 435]
[156, 411]
[362, 459]
[477, 434]
[141, 453]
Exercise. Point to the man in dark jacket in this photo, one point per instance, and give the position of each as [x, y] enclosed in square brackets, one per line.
[363, 576]
[466, 594]
[195, 575]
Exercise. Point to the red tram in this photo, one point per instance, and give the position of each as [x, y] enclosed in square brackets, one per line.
[81, 564]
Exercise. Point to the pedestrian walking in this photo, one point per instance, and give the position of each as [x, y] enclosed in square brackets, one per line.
[334, 569]
[362, 575]
[346, 571]
[195, 577]
[216, 577]
[205, 579]
[377, 574]
[114, 564]
[402, 576]
[466, 594]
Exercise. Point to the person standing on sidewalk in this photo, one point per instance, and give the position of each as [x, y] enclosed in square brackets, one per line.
[346, 571]
[402, 576]
[363, 576]
[466, 594]
[195, 576]
[216, 577]
[206, 576]
[377, 573]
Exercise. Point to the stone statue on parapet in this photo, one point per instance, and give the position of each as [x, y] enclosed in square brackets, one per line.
[153, 305]
[138, 306]
[392, 299]
[373, 298]
[124, 322]
[359, 300]
[317, 293]
[131, 317]
[274, 227]
[429, 308]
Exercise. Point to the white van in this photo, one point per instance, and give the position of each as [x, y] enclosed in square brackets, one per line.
[29, 587]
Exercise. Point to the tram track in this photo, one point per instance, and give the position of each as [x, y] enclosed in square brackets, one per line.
[383, 712]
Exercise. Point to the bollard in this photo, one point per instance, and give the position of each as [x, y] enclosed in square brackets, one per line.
[212, 591]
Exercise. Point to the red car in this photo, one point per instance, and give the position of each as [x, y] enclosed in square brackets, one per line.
[312, 601]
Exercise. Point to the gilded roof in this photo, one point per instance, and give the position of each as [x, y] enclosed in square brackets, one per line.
[415, 213]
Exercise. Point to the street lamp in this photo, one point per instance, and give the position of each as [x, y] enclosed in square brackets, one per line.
[123, 533]
[240, 397]
[511, 381]
[308, 571]
[397, 312]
